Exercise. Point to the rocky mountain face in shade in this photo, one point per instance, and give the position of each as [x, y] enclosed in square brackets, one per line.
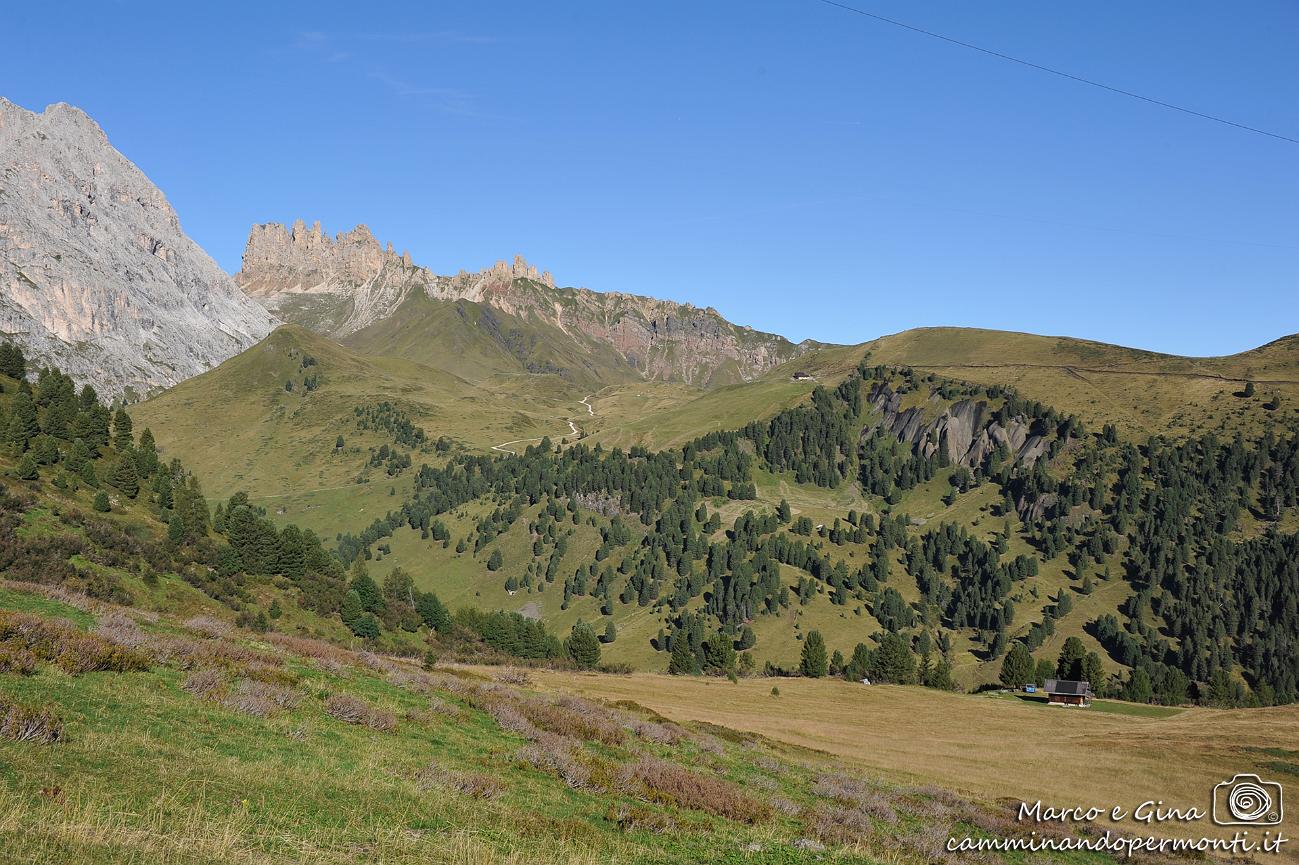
[96, 274]
[342, 284]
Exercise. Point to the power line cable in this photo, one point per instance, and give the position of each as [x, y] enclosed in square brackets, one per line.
[1058, 72]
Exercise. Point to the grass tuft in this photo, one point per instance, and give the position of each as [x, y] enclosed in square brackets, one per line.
[23, 723]
[354, 710]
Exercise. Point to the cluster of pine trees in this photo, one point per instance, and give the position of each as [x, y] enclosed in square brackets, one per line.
[1191, 526]
[1159, 516]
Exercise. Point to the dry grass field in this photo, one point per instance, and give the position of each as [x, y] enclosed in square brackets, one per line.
[985, 746]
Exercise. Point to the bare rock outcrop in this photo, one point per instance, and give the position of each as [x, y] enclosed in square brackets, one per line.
[342, 285]
[965, 430]
[347, 282]
[96, 274]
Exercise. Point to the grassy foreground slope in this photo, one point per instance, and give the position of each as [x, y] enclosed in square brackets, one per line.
[133, 737]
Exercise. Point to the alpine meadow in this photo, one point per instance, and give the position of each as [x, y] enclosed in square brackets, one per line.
[351, 556]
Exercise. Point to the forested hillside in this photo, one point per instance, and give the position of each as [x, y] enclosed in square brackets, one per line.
[1192, 542]
[985, 536]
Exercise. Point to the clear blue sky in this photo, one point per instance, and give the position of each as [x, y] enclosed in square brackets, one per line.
[803, 169]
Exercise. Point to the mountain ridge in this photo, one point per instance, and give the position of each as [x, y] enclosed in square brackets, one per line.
[343, 285]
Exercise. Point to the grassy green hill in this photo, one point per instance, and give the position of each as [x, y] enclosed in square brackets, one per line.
[242, 429]
[1142, 393]
[479, 343]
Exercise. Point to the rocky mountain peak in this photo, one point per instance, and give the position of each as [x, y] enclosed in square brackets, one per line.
[96, 274]
[339, 287]
[520, 269]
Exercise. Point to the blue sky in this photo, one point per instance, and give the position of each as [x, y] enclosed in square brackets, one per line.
[803, 169]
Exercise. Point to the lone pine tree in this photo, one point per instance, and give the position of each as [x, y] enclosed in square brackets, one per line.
[582, 647]
[814, 663]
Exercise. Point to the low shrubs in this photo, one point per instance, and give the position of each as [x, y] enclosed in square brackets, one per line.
[669, 784]
[653, 731]
[246, 696]
[205, 684]
[709, 743]
[328, 656]
[575, 717]
[510, 719]
[835, 824]
[556, 756]
[474, 784]
[73, 651]
[259, 699]
[514, 676]
[636, 819]
[353, 710]
[208, 626]
[17, 659]
[23, 723]
[845, 790]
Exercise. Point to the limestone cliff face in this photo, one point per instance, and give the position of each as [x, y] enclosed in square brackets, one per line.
[965, 430]
[96, 274]
[341, 285]
[336, 285]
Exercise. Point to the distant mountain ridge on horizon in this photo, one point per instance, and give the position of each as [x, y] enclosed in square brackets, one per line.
[97, 276]
[345, 284]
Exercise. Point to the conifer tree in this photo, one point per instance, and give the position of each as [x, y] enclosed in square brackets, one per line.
[101, 502]
[1093, 672]
[176, 529]
[27, 469]
[12, 361]
[124, 477]
[45, 450]
[858, 667]
[719, 654]
[433, 612]
[893, 661]
[582, 648]
[1138, 688]
[1070, 664]
[351, 609]
[123, 436]
[683, 661]
[366, 589]
[941, 676]
[23, 424]
[1043, 671]
[146, 455]
[1017, 667]
[814, 662]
